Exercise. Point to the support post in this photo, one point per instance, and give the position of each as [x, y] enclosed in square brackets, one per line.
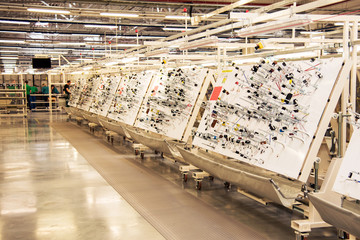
[354, 37]
[50, 93]
[345, 93]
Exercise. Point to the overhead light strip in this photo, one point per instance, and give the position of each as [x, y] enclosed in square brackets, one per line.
[177, 17]
[11, 41]
[14, 22]
[8, 51]
[124, 15]
[342, 24]
[176, 29]
[9, 58]
[100, 26]
[48, 10]
[312, 33]
[135, 37]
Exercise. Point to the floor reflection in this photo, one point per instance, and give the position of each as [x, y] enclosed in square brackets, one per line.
[49, 191]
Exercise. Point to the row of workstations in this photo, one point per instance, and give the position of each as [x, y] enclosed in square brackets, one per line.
[252, 126]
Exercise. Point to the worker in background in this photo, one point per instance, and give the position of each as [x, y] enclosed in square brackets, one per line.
[12, 86]
[44, 89]
[33, 90]
[28, 90]
[54, 90]
[67, 92]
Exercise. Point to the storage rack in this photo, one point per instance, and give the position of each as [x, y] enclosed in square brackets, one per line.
[44, 105]
[13, 102]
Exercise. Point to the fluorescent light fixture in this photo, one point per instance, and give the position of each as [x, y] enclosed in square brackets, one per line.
[87, 68]
[111, 63]
[9, 71]
[128, 60]
[311, 33]
[84, 59]
[48, 10]
[342, 24]
[95, 53]
[11, 41]
[179, 17]
[93, 39]
[14, 22]
[127, 45]
[157, 52]
[85, 35]
[273, 26]
[15, 32]
[135, 37]
[41, 24]
[199, 43]
[57, 52]
[125, 15]
[100, 26]
[9, 58]
[77, 72]
[8, 51]
[176, 29]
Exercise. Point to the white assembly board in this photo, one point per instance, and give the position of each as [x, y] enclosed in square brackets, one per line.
[88, 92]
[76, 90]
[348, 179]
[104, 94]
[267, 114]
[128, 96]
[170, 101]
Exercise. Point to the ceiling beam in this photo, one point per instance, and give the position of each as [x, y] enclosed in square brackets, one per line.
[197, 19]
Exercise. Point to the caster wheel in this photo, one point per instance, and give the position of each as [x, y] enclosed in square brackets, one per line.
[301, 236]
[211, 178]
[185, 177]
[156, 152]
[162, 155]
[142, 155]
[136, 152]
[227, 185]
[198, 185]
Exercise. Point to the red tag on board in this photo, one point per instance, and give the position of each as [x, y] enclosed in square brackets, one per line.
[215, 94]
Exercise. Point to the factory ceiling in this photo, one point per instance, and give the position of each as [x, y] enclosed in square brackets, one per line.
[83, 29]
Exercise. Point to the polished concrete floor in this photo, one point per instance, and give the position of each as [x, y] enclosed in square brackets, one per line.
[50, 191]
